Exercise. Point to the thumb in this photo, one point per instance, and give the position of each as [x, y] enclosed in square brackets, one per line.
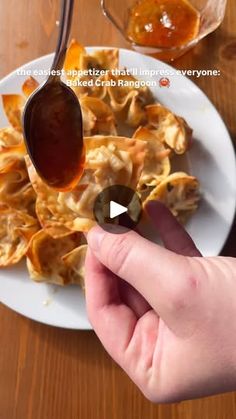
[166, 280]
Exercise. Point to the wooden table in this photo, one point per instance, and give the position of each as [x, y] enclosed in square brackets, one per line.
[49, 373]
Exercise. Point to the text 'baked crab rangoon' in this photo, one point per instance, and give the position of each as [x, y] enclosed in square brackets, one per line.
[46, 226]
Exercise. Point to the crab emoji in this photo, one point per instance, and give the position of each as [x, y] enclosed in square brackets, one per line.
[164, 82]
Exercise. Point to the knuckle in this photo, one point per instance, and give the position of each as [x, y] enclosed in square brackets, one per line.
[187, 291]
[179, 300]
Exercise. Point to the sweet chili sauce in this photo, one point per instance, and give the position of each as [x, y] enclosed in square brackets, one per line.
[163, 23]
[55, 128]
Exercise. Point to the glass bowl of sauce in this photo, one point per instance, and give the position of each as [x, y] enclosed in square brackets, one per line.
[165, 29]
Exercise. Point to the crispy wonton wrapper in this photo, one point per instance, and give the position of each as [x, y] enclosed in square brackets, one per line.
[170, 128]
[49, 221]
[128, 97]
[16, 230]
[156, 163]
[98, 117]
[119, 97]
[13, 105]
[16, 190]
[73, 59]
[10, 139]
[75, 261]
[77, 59]
[29, 86]
[51, 260]
[109, 161]
[180, 193]
[12, 148]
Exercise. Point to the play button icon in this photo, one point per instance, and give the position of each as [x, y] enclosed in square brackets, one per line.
[117, 205]
[116, 209]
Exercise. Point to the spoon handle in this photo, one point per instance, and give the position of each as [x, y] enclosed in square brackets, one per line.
[64, 32]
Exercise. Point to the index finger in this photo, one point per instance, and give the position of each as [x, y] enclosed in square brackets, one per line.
[173, 234]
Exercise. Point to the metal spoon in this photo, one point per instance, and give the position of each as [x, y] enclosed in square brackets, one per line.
[52, 121]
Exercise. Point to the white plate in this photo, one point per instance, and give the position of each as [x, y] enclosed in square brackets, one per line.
[211, 159]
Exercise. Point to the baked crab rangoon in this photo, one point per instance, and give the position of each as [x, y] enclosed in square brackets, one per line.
[109, 161]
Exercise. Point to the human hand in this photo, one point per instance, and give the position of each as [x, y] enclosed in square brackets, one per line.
[166, 315]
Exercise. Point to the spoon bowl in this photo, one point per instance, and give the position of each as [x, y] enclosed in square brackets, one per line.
[52, 121]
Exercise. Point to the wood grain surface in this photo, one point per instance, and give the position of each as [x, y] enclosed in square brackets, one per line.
[49, 373]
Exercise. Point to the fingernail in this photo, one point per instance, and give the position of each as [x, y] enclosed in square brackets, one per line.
[94, 238]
